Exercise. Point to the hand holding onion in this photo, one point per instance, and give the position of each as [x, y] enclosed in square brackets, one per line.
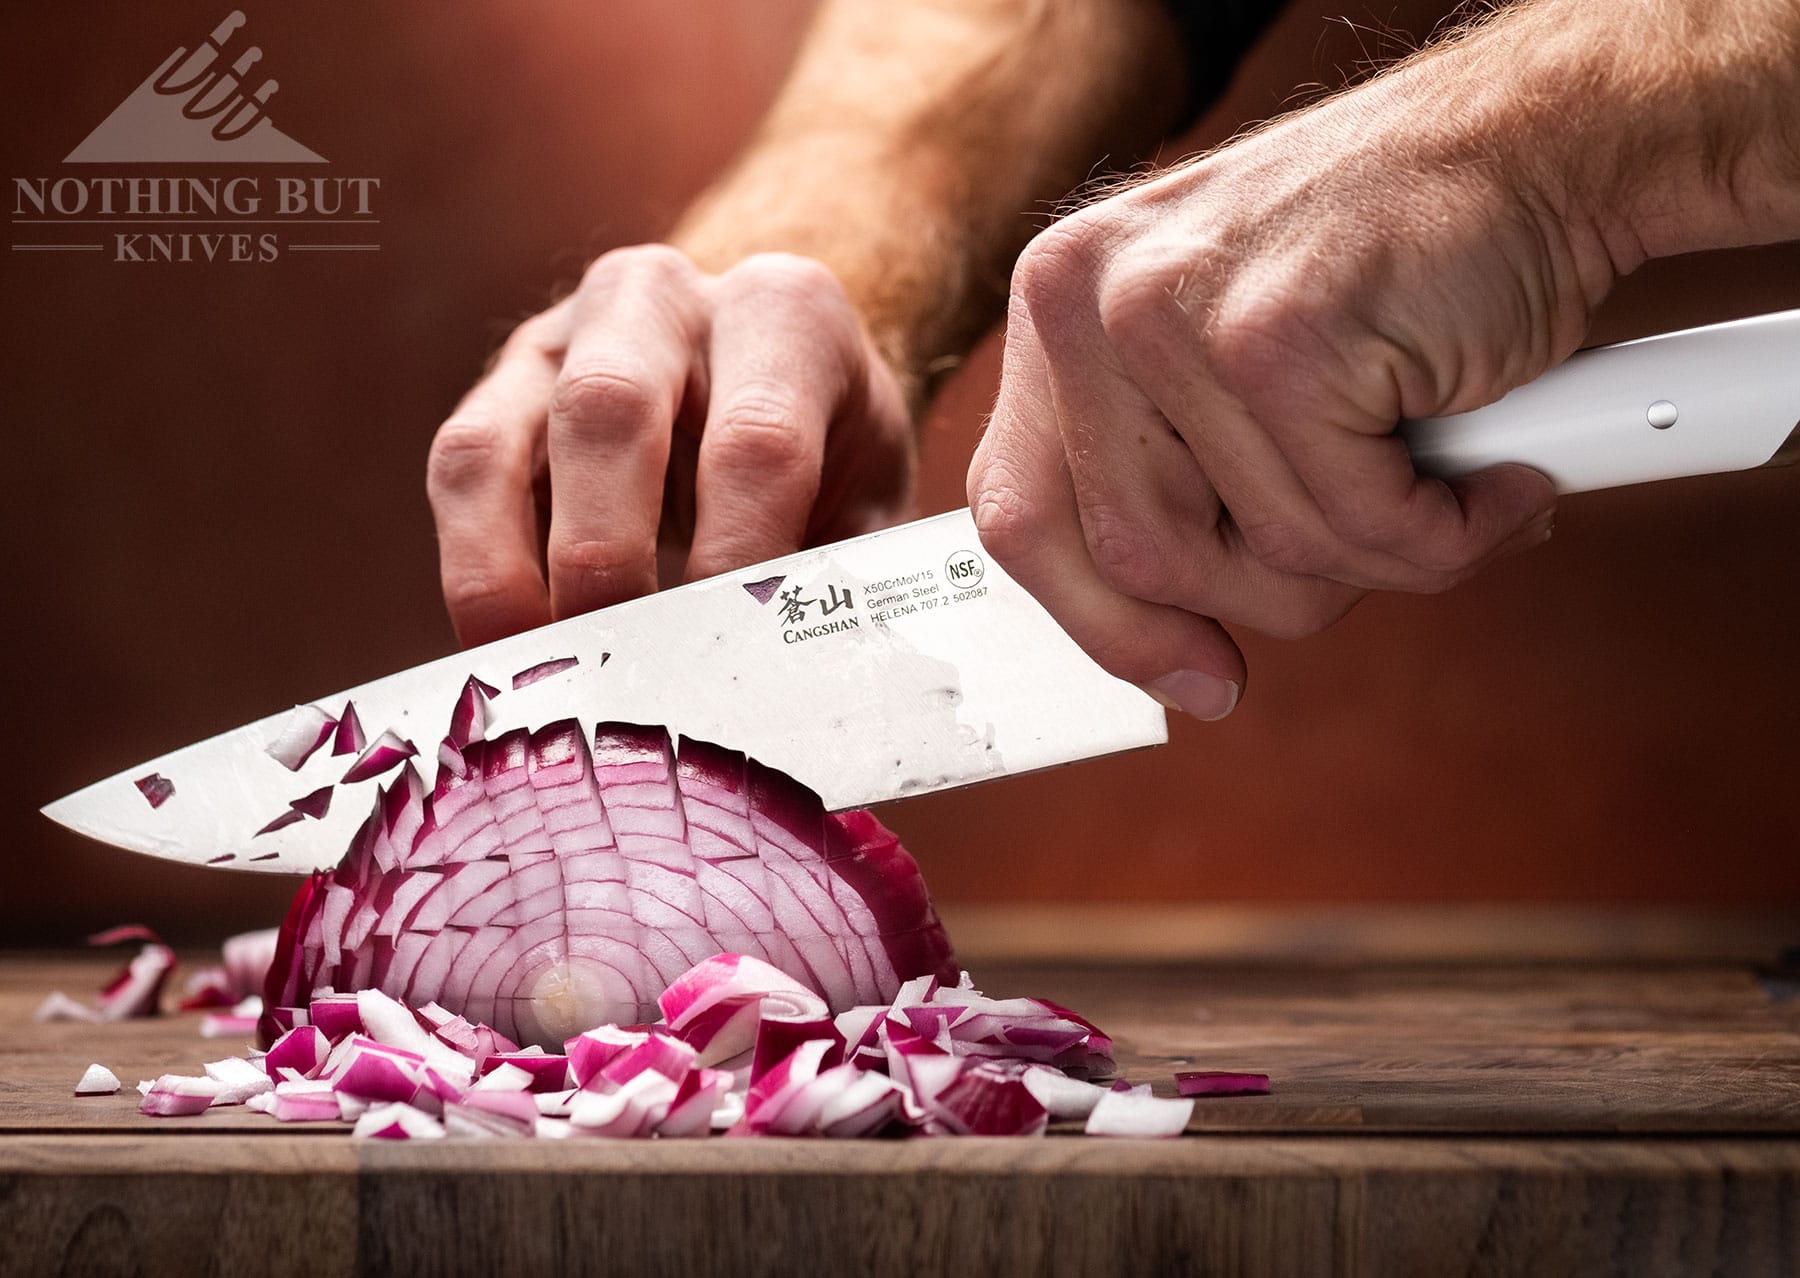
[736, 416]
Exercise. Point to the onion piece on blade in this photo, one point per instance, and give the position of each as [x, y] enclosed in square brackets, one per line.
[385, 753]
[156, 789]
[543, 670]
[307, 728]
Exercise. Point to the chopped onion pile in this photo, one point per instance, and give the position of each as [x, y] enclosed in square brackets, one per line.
[543, 885]
[740, 1047]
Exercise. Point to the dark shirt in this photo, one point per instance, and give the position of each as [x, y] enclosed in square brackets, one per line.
[1215, 34]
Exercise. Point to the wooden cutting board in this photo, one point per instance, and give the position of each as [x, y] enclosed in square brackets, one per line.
[1581, 1115]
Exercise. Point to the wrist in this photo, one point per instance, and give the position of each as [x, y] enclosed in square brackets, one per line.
[882, 229]
[1648, 127]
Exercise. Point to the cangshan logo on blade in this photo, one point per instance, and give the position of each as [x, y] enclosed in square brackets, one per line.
[830, 610]
[206, 105]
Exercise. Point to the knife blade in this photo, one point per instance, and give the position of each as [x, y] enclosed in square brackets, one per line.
[894, 664]
[905, 662]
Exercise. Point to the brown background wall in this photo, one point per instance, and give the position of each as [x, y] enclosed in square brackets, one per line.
[216, 507]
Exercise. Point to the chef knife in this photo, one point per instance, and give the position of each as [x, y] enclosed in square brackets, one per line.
[906, 662]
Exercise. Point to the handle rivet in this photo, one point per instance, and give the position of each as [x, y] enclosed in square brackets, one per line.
[1661, 414]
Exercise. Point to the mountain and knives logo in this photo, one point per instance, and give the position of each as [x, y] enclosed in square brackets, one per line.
[200, 105]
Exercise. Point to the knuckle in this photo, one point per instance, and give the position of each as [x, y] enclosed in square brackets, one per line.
[1286, 546]
[466, 594]
[1061, 259]
[787, 274]
[1004, 519]
[1127, 557]
[465, 450]
[604, 396]
[1293, 624]
[653, 261]
[1260, 345]
[604, 566]
[759, 432]
[1141, 297]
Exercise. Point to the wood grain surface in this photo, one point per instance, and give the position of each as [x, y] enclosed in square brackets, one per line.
[1583, 1115]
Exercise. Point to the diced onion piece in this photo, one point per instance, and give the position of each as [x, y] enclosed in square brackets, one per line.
[137, 991]
[386, 752]
[290, 817]
[543, 670]
[469, 717]
[125, 932]
[1123, 1114]
[1213, 1082]
[97, 1081]
[238, 1080]
[227, 1025]
[156, 788]
[58, 1006]
[349, 737]
[397, 1122]
[314, 805]
[306, 729]
[178, 1095]
[1062, 1096]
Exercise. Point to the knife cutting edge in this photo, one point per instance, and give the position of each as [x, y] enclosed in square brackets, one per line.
[906, 662]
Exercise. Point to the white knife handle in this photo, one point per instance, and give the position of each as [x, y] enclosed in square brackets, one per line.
[1698, 402]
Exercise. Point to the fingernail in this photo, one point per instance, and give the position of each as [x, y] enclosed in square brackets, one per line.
[1203, 696]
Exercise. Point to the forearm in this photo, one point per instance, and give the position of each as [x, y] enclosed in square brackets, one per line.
[1648, 127]
[912, 144]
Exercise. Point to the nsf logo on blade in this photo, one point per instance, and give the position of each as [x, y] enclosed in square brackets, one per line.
[964, 569]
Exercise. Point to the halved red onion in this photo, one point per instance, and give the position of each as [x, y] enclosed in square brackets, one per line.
[156, 788]
[1124, 1114]
[307, 728]
[1214, 1082]
[97, 1080]
[349, 738]
[385, 753]
[550, 886]
[543, 670]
